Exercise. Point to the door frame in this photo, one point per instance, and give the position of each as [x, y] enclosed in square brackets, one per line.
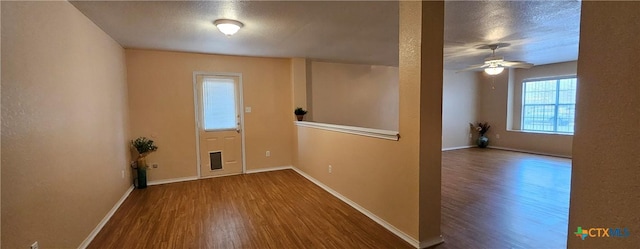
[196, 106]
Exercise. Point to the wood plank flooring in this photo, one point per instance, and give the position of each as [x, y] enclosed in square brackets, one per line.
[278, 209]
[490, 199]
[500, 199]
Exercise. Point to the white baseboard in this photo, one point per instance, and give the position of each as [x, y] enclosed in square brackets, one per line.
[431, 242]
[104, 220]
[172, 180]
[528, 151]
[251, 171]
[458, 148]
[362, 210]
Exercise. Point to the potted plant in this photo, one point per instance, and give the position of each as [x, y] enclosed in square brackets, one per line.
[481, 128]
[299, 112]
[144, 147]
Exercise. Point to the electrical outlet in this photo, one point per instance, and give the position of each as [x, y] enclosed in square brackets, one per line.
[268, 153]
[247, 109]
[330, 169]
[470, 135]
[35, 245]
[154, 165]
[498, 136]
[122, 172]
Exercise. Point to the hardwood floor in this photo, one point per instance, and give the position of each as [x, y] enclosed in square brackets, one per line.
[278, 209]
[490, 199]
[501, 199]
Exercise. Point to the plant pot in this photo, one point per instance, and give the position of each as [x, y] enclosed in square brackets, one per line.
[483, 141]
[141, 176]
[141, 179]
[300, 117]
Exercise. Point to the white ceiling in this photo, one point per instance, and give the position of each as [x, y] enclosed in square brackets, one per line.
[540, 32]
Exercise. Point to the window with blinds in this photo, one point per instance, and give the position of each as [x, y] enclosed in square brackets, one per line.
[219, 104]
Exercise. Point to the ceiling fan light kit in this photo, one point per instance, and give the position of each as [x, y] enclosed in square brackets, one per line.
[495, 65]
[227, 26]
[493, 70]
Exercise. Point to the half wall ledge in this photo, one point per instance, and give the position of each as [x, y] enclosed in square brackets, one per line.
[368, 132]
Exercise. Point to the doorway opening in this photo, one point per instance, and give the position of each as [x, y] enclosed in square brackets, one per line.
[219, 120]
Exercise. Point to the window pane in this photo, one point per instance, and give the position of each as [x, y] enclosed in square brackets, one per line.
[566, 114]
[219, 104]
[549, 105]
[538, 117]
[540, 92]
[567, 91]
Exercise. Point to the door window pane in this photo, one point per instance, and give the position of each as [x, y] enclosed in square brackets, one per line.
[219, 104]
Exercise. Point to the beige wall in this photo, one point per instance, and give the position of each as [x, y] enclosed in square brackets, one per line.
[379, 175]
[355, 95]
[161, 106]
[64, 125]
[398, 181]
[605, 172]
[460, 105]
[501, 104]
[299, 83]
[0, 133]
[431, 86]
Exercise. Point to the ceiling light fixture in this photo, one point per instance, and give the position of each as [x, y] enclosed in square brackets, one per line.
[493, 70]
[228, 26]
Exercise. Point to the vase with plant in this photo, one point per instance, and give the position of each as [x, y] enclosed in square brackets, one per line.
[144, 147]
[482, 129]
[299, 112]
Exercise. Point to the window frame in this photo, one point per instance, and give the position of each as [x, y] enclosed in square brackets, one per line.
[236, 94]
[556, 105]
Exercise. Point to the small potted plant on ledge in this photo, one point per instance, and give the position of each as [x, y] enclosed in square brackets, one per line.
[481, 128]
[144, 147]
[299, 112]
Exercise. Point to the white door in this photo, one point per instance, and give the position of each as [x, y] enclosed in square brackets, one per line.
[219, 129]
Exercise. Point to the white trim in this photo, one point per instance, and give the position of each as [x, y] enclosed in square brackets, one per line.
[431, 242]
[172, 180]
[541, 132]
[251, 171]
[196, 106]
[458, 148]
[104, 220]
[383, 134]
[215, 176]
[242, 135]
[528, 151]
[362, 210]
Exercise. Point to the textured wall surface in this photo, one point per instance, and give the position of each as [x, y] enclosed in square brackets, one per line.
[460, 106]
[431, 81]
[162, 107]
[605, 191]
[355, 95]
[64, 125]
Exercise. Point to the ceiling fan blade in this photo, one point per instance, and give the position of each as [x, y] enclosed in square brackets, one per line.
[473, 67]
[516, 64]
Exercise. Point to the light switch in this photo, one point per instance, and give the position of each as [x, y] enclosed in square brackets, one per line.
[247, 109]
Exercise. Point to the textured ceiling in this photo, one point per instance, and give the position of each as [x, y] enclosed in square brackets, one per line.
[540, 32]
[336, 31]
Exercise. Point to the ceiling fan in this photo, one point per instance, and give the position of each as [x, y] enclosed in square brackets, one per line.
[494, 65]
